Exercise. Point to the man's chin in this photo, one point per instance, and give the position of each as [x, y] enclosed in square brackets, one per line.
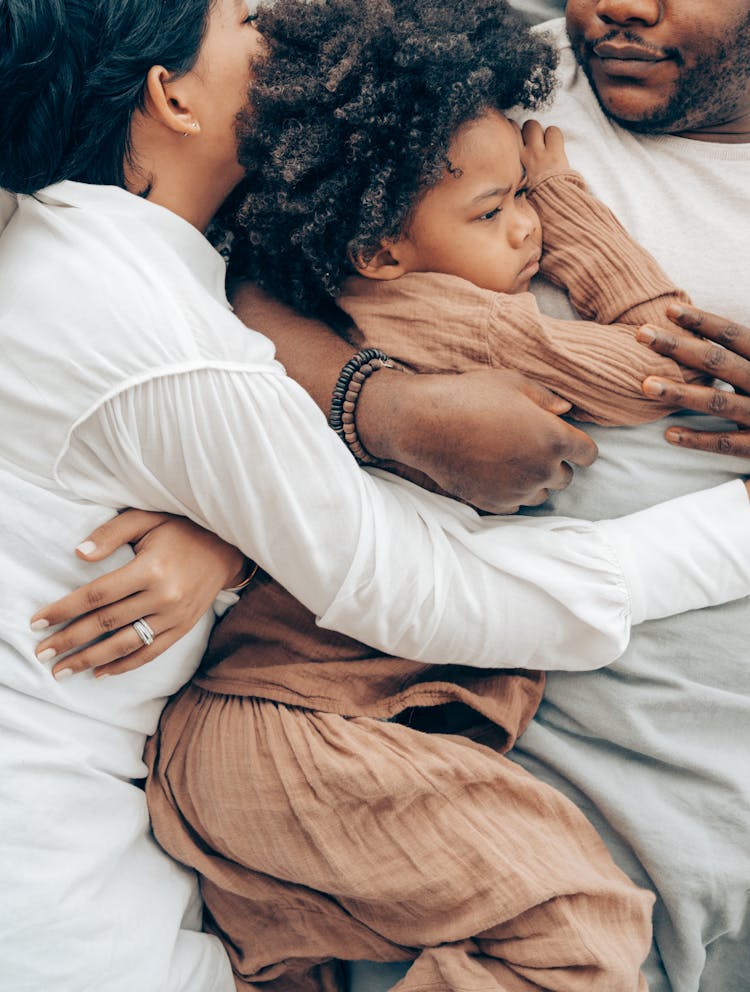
[633, 107]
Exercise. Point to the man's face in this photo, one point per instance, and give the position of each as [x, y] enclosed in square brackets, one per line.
[665, 66]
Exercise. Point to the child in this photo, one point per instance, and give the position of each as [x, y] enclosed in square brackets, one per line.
[339, 804]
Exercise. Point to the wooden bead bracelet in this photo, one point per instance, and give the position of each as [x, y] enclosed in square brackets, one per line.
[342, 417]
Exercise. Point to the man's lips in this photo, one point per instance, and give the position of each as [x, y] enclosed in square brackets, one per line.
[627, 59]
[628, 53]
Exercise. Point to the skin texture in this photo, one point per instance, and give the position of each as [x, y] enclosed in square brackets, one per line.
[668, 66]
[720, 347]
[171, 593]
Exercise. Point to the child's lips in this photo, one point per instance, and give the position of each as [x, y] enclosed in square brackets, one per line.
[531, 268]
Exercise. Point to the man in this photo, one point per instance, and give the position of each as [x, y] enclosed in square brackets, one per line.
[654, 101]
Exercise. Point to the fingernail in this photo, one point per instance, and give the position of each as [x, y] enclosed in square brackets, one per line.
[675, 310]
[646, 334]
[47, 655]
[86, 548]
[674, 436]
[41, 624]
[102, 675]
[652, 387]
[63, 674]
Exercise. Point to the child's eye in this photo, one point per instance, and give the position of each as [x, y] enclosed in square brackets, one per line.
[490, 214]
[250, 18]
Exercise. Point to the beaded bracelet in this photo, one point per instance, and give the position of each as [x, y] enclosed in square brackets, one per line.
[346, 394]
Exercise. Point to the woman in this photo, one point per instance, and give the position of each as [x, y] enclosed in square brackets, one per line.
[127, 381]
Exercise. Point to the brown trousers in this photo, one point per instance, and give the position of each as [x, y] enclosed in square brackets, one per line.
[320, 837]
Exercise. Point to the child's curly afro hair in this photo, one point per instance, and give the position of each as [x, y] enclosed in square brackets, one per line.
[351, 113]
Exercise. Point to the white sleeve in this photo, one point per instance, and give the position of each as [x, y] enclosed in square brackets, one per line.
[248, 455]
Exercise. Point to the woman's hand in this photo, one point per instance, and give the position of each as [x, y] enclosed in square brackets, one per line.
[723, 350]
[178, 570]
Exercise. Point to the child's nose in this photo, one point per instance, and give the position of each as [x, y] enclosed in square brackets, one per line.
[523, 223]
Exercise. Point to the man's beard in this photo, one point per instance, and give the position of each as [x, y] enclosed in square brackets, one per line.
[710, 92]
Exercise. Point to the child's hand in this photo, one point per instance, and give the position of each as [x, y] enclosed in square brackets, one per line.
[543, 151]
[178, 570]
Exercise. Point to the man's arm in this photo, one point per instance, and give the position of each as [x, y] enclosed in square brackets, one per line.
[493, 438]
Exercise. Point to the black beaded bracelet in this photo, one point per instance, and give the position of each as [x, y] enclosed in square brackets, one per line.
[346, 394]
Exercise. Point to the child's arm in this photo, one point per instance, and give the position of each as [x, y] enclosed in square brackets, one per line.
[599, 368]
[609, 277]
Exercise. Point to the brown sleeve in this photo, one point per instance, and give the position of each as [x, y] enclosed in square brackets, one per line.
[613, 281]
[609, 277]
[599, 368]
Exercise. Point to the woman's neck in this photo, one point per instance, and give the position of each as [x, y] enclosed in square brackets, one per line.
[172, 174]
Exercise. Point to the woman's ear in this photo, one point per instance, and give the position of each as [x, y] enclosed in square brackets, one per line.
[390, 261]
[168, 101]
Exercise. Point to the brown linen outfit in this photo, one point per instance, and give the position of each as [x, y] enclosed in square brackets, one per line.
[321, 831]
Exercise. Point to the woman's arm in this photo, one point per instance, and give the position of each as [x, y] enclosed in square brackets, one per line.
[246, 454]
[176, 566]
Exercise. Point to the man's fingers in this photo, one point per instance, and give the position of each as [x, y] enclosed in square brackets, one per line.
[580, 449]
[706, 356]
[733, 336]
[544, 397]
[702, 399]
[720, 442]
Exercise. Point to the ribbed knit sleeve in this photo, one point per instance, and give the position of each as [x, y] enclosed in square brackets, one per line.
[615, 284]
[609, 277]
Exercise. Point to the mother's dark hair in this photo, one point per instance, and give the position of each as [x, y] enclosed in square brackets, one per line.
[73, 72]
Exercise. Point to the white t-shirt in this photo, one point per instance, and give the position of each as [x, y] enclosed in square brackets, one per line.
[126, 380]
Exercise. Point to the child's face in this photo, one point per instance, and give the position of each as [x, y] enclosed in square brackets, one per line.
[476, 222]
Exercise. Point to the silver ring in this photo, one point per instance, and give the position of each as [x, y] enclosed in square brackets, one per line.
[143, 630]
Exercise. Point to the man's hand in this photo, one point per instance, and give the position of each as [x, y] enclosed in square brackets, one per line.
[722, 350]
[492, 438]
